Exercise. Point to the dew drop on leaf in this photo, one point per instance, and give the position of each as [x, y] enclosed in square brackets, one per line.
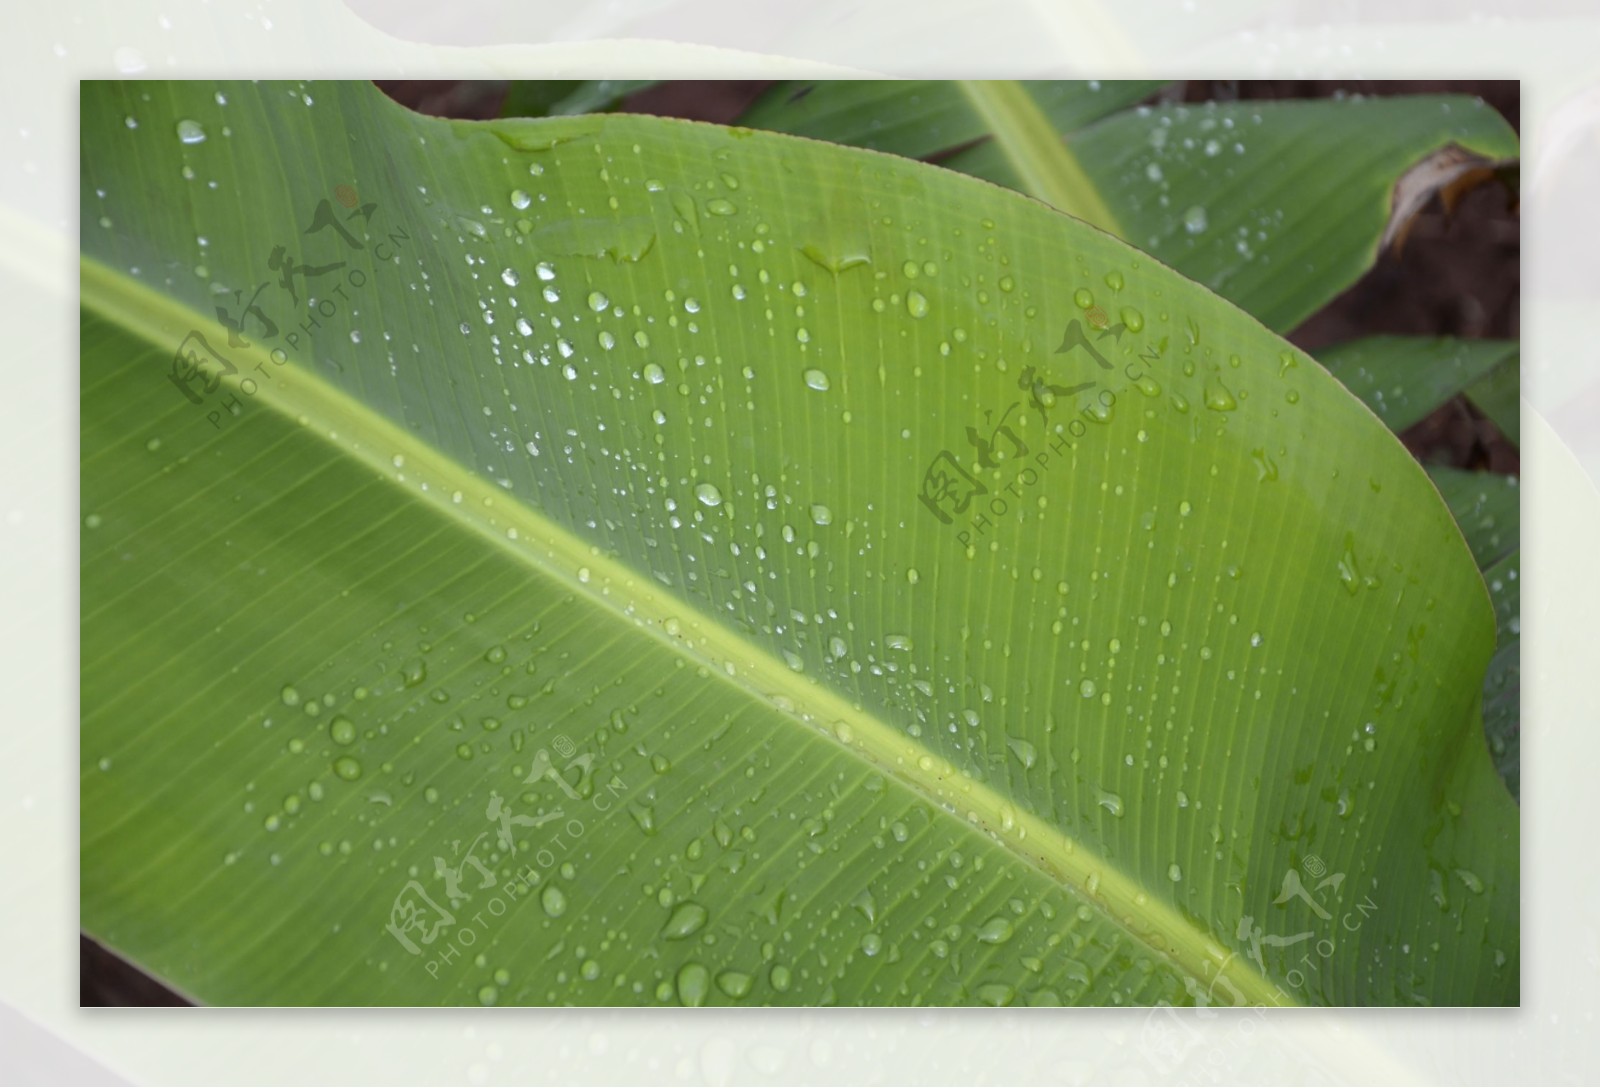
[342, 730]
[687, 919]
[694, 982]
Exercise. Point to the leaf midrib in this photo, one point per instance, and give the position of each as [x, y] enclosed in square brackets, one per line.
[298, 394]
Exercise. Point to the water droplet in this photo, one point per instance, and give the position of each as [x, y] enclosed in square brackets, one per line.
[694, 981]
[190, 132]
[871, 944]
[1349, 569]
[1114, 280]
[916, 304]
[342, 730]
[1266, 467]
[708, 494]
[835, 262]
[598, 302]
[997, 994]
[1132, 318]
[520, 199]
[735, 984]
[719, 206]
[1083, 298]
[780, 977]
[817, 380]
[289, 695]
[347, 768]
[1086, 688]
[1471, 880]
[1218, 397]
[488, 995]
[1024, 751]
[1194, 220]
[414, 672]
[1174, 873]
[821, 514]
[1112, 803]
[995, 931]
[553, 900]
[654, 374]
[686, 920]
[509, 277]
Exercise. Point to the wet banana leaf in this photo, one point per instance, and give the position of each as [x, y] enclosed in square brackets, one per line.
[615, 560]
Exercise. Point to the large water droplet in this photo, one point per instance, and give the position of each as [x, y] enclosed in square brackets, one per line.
[686, 919]
[694, 981]
[1218, 397]
[735, 984]
[995, 931]
[342, 730]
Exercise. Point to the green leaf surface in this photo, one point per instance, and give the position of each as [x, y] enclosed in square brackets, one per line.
[1404, 379]
[578, 562]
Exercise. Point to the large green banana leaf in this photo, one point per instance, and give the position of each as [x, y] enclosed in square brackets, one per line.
[620, 560]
